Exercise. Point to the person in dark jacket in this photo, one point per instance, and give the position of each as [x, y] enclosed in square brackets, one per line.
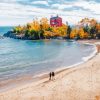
[53, 75]
[50, 74]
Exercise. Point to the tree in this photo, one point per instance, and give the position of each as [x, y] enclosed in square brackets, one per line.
[49, 29]
[32, 32]
[68, 32]
[41, 34]
[86, 28]
[44, 23]
[42, 29]
[98, 30]
[73, 33]
[27, 33]
[28, 26]
[93, 31]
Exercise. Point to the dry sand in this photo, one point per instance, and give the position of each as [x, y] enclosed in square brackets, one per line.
[78, 83]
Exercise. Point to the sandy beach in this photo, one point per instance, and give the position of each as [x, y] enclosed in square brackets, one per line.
[81, 82]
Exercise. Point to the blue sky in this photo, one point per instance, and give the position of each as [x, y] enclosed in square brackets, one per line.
[15, 12]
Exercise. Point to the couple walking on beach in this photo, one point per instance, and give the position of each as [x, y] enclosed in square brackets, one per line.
[51, 76]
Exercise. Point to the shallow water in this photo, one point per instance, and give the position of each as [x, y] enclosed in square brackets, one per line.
[25, 57]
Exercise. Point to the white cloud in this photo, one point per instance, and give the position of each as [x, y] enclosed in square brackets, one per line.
[40, 2]
[60, 6]
[91, 5]
[15, 13]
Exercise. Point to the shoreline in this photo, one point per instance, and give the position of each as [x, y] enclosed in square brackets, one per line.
[12, 83]
[44, 79]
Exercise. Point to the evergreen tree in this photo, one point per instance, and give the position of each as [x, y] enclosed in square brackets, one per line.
[68, 32]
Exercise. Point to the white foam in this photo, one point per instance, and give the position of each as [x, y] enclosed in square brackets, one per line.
[66, 67]
[84, 58]
[97, 43]
[91, 55]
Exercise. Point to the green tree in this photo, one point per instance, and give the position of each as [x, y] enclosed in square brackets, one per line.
[49, 29]
[41, 34]
[93, 31]
[86, 29]
[68, 32]
[27, 33]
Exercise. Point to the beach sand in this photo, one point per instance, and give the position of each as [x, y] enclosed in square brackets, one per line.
[77, 83]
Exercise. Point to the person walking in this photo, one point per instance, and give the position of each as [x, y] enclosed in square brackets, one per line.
[53, 75]
[50, 74]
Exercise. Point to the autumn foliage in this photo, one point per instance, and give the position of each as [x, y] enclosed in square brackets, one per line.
[41, 29]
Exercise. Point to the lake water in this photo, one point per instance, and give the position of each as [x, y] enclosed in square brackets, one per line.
[26, 57]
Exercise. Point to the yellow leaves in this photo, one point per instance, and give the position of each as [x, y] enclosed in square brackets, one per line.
[98, 27]
[63, 31]
[93, 22]
[48, 34]
[85, 35]
[80, 32]
[44, 23]
[73, 33]
[56, 31]
[19, 29]
[35, 25]
[60, 31]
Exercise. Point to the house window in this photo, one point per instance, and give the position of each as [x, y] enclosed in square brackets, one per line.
[53, 22]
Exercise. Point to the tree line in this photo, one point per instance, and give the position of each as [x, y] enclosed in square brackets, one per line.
[41, 29]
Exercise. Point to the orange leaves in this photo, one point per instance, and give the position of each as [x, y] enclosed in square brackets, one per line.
[44, 23]
[78, 32]
[84, 29]
[87, 21]
[38, 25]
[56, 31]
[81, 33]
[35, 25]
[85, 35]
[48, 34]
[60, 31]
[98, 27]
[93, 22]
[73, 33]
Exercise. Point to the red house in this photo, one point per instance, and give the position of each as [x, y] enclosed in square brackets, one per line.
[56, 21]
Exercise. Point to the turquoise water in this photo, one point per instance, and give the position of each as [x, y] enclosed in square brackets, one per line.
[25, 57]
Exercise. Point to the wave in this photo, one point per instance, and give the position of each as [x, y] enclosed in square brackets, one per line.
[91, 55]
